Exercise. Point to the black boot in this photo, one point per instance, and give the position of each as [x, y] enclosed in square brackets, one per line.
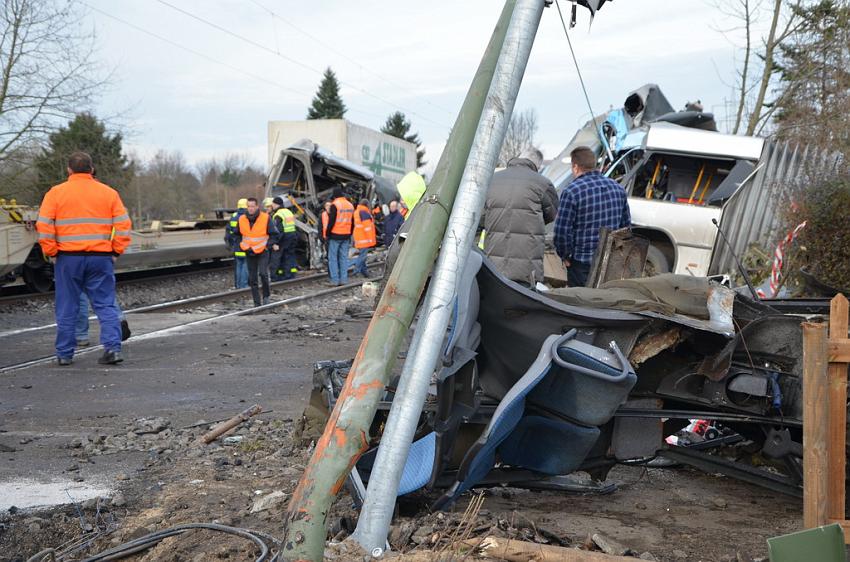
[125, 330]
[110, 358]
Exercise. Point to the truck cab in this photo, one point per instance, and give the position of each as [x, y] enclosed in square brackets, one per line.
[305, 174]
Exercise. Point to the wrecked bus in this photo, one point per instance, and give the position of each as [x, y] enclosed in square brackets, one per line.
[681, 175]
[532, 387]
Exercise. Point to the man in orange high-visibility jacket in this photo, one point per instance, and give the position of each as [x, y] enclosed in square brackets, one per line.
[256, 233]
[340, 227]
[365, 236]
[84, 226]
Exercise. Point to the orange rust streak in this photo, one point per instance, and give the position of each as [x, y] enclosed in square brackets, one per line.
[364, 445]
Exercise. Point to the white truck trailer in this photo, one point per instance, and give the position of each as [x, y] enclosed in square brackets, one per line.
[385, 155]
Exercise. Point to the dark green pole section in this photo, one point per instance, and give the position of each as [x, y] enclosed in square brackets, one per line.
[346, 434]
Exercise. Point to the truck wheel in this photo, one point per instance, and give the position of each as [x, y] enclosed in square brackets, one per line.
[38, 279]
[656, 262]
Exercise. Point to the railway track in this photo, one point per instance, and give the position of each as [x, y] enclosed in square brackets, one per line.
[20, 293]
[194, 303]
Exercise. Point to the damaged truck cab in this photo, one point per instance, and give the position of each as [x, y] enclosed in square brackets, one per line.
[305, 174]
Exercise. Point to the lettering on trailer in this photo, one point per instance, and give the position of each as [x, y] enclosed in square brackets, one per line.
[387, 157]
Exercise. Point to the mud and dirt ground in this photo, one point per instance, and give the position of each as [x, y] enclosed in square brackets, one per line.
[88, 432]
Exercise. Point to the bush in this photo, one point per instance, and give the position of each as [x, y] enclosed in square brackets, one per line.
[825, 241]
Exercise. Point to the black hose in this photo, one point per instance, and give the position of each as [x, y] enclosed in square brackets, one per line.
[147, 541]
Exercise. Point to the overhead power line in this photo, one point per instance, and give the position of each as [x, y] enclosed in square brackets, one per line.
[211, 58]
[583, 88]
[292, 60]
[336, 51]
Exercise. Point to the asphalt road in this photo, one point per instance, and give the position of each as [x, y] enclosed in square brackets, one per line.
[208, 372]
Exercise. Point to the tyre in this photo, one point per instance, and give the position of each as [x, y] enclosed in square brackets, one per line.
[656, 262]
[38, 279]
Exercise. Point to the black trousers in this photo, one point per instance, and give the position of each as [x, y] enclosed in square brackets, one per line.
[275, 263]
[577, 274]
[258, 266]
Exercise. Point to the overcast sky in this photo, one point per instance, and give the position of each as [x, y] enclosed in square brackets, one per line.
[417, 57]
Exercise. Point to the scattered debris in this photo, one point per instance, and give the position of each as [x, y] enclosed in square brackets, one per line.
[268, 501]
[231, 423]
[609, 546]
[521, 551]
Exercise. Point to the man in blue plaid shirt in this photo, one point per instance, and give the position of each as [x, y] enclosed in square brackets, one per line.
[591, 201]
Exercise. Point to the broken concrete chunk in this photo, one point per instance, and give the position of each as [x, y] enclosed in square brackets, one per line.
[268, 501]
[118, 500]
[609, 546]
[144, 426]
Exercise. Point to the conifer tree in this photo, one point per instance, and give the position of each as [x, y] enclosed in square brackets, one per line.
[398, 126]
[327, 103]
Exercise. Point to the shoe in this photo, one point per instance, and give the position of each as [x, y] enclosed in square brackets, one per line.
[125, 330]
[110, 358]
[83, 343]
[265, 300]
[64, 361]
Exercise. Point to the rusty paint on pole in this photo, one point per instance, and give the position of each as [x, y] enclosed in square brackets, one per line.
[345, 437]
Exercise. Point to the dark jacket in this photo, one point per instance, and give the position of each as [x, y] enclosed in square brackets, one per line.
[520, 202]
[272, 231]
[231, 232]
[392, 224]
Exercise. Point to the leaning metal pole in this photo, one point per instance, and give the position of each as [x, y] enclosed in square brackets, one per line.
[345, 436]
[374, 522]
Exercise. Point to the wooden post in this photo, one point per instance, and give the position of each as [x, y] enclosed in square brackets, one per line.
[838, 319]
[815, 424]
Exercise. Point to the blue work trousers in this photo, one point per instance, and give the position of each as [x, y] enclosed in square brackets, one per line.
[360, 262]
[82, 329]
[240, 272]
[93, 275]
[338, 260]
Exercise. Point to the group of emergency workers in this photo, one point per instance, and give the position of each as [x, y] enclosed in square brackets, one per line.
[343, 223]
[263, 241]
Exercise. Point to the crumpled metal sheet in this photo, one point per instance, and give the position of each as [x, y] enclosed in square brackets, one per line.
[651, 344]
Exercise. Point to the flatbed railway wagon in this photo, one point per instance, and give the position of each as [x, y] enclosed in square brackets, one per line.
[165, 242]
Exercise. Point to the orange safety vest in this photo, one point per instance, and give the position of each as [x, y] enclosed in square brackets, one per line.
[83, 215]
[254, 237]
[325, 219]
[344, 217]
[364, 230]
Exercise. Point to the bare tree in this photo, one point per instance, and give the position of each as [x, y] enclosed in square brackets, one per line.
[519, 136]
[753, 82]
[47, 69]
[229, 178]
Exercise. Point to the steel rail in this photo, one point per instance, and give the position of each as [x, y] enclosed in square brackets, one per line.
[164, 331]
[131, 277]
[190, 301]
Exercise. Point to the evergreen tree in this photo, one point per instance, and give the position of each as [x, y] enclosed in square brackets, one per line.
[327, 104]
[815, 83]
[398, 126]
[86, 133]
